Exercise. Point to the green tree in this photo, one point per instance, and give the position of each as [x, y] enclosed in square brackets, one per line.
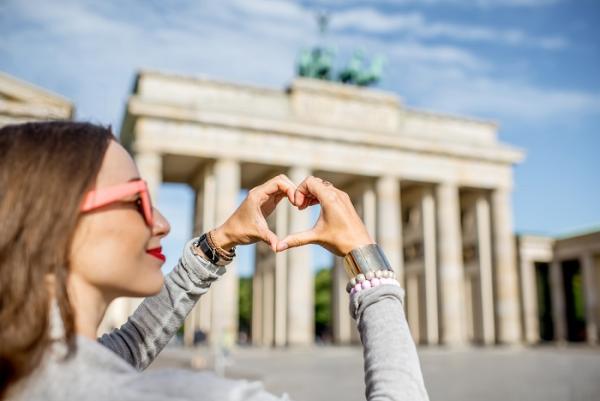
[245, 304]
[323, 286]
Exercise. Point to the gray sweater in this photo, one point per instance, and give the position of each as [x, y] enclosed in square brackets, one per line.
[112, 367]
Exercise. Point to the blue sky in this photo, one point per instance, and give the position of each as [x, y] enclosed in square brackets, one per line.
[530, 65]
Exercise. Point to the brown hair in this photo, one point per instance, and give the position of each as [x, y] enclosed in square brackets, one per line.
[45, 170]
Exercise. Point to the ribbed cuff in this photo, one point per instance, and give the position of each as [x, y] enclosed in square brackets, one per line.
[199, 266]
[361, 300]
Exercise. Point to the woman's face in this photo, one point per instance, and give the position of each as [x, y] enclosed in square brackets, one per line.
[110, 247]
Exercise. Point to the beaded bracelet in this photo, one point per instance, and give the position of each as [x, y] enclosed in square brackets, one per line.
[370, 280]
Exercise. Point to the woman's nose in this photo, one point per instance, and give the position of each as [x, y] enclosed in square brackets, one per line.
[161, 226]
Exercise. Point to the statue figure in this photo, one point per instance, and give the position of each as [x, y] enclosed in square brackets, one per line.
[317, 63]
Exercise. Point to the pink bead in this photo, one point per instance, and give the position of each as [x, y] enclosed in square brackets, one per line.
[352, 291]
[375, 282]
[366, 284]
[357, 287]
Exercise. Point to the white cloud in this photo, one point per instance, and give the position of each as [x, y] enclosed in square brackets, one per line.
[460, 3]
[504, 99]
[370, 20]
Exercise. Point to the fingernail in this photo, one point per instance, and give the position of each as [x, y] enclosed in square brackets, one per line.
[282, 246]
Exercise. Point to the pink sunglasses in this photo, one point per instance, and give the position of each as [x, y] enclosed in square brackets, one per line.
[105, 196]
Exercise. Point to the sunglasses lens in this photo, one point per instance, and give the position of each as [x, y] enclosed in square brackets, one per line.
[139, 204]
[146, 208]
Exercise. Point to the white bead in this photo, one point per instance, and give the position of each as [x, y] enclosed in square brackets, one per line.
[369, 275]
[379, 274]
[360, 278]
[353, 281]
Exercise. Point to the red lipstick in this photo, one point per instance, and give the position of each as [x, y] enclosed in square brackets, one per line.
[157, 253]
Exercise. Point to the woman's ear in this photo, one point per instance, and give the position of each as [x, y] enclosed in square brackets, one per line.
[50, 281]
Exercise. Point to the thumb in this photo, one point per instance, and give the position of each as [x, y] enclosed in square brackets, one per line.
[271, 239]
[296, 240]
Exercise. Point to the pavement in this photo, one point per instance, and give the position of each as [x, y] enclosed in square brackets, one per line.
[548, 373]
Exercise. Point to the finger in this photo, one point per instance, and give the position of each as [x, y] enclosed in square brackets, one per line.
[271, 239]
[309, 201]
[290, 193]
[279, 184]
[312, 202]
[312, 186]
[296, 240]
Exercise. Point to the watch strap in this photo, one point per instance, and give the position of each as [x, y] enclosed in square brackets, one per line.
[207, 250]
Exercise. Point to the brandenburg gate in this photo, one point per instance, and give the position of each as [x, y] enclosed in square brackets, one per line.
[434, 190]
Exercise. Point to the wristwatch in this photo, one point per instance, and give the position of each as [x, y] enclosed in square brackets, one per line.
[364, 259]
[208, 251]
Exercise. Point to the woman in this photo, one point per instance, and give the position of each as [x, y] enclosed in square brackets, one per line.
[78, 231]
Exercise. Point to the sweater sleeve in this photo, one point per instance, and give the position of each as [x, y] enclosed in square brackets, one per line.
[391, 364]
[157, 319]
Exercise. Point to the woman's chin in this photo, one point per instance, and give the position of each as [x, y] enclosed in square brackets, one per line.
[147, 287]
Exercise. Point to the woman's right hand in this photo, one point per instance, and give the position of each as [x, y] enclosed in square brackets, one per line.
[339, 229]
[248, 224]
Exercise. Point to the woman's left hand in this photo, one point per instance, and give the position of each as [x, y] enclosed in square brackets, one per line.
[248, 223]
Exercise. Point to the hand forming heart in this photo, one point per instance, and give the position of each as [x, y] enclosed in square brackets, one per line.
[339, 229]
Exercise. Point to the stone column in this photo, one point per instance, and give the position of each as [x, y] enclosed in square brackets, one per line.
[268, 288]
[264, 278]
[530, 307]
[368, 213]
[453, 324]
[507, 293]
[269, 307]
[430, 262]
[369, 209]
[257, 310]
[344, 328]
[412, 306]
[204, 219]
[389, 223]
[265, 265]
[558, 301]
[207, 212]
[225, 290]
[341, 320]
[150, 167]
[281, 290]
[484, 244]
[300, 317]
[591, 297]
